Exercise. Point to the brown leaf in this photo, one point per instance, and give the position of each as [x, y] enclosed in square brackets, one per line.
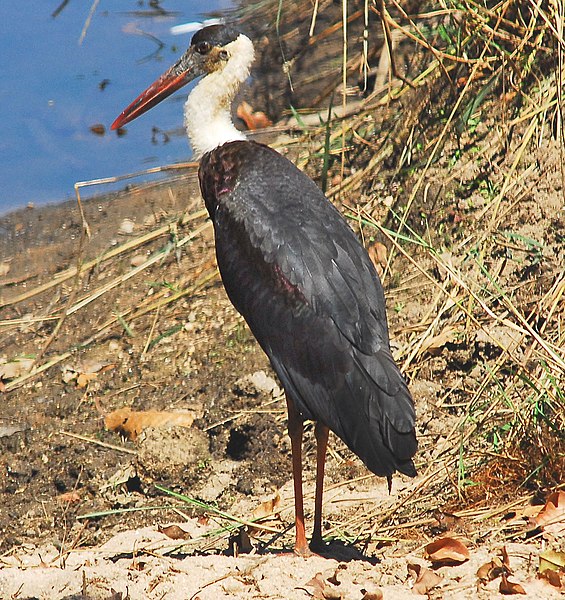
[85, 372]
[318, 585]
[69, 497]
[15, 368]
[509, 587]
[555, 578]
[130, 423]
[321, 589]
[84, 379]
[552, 516]
[375, 595]
[267, 508]
[378, 254]
[447, 551]
[252, 119]
[174, 532]
[424, 579]
[491, 570]
[506, 560]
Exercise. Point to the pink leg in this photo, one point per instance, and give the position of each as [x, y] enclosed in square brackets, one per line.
[295, 430]
[322, 433]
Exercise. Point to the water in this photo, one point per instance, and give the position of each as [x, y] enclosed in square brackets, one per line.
[54, 90]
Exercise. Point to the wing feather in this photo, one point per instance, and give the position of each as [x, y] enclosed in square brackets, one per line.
[310, 294]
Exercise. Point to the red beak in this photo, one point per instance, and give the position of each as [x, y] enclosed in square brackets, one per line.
[187, 68]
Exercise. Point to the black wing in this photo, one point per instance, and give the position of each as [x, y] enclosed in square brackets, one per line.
[310, 294]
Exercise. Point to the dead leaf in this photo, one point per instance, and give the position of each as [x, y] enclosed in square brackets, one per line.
[4, 268]
[509, 587]
[252, 119]
[378, 254]
[424, 579]
[130, 423]
[506, 560]
[491, 570]
[174, 532]
[84, 379]
[69, 497]
[376, 595]
[447, 551]
[555, 578]
[549, 560]
[552, 516]
[322, 591]
[15, 368]
[318, 585]
[85, 372]
[267, 508]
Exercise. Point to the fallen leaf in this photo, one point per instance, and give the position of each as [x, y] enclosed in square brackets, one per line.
[376, 595]
[554, 561]
[130, 423]
[491, 570]
[509, 587]
[175, 532]
[267, 508]
[252, 119]
[322, 591]
[506, 560]
[69, 497]
[446, 551]
[525, 512]
[127, 227]
[4, 268]
[424, 579]
[85, 372]
[15, 368]
[318, 585]
[551, 518]
[555, 578]
[84, 379]
[378, 254]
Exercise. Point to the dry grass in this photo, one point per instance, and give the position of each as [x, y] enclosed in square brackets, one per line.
[440, 162]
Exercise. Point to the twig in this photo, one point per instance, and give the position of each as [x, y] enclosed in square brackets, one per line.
[98, 442]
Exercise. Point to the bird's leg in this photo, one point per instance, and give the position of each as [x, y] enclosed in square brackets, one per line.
[321, 433]
[295, 429]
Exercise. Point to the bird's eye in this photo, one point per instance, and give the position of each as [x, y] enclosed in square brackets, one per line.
[223, 54]
[203, 47]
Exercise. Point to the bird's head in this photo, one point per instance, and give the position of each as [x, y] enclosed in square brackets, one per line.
[211, 49]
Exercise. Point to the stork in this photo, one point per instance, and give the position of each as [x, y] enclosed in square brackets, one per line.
[297, 273]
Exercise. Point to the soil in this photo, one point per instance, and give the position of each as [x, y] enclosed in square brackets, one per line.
[86, 513]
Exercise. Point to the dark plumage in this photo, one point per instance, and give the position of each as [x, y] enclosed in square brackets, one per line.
[312, 298]
[296, 272]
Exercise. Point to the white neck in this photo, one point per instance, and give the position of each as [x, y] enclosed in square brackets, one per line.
[207, 112]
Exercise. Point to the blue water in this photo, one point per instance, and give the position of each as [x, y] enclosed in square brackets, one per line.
[50, 93]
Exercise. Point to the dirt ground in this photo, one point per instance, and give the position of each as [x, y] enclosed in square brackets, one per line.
[135, 318]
